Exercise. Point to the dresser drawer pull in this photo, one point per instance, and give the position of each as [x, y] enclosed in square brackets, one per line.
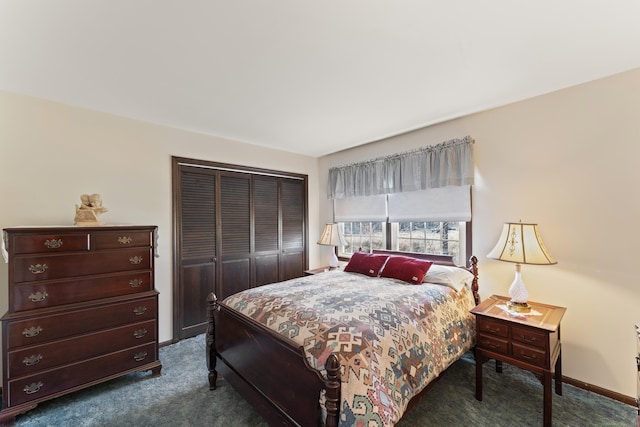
[125, 240]
[527, 339]
[490, 329]
[139, 311]
[140, 356]
[53, 243]
[34, 359]
[32, 331]
[529, 356]
[38, 296]
[139, 333]
[33, 388]
[38, 268]
[135, 259]
[135, 283]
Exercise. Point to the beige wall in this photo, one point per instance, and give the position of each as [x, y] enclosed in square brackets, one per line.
[50, 154]
[570, 161]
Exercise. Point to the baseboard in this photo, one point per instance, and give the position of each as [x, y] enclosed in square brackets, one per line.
[601, 391]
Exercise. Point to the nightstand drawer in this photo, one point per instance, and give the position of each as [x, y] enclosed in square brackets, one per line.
[529, 354]
[486, 326]
[493, 344]
[529, 337]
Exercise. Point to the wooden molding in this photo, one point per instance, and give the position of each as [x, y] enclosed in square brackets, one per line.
[601, 391]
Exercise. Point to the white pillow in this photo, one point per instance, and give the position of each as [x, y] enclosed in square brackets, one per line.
[454, 277]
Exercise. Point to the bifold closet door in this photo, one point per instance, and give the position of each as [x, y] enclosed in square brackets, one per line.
[196, 249]
[236, 231]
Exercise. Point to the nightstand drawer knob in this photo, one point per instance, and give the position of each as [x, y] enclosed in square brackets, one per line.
[489, 344]
[529, 356]
[527, 339]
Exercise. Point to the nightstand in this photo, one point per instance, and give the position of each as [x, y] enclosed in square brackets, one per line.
[526, 341]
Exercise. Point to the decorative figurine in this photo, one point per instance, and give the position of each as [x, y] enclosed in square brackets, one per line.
[89, 210]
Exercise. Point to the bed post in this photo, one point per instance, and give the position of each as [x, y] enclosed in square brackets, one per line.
[332, 389]
[212, 307]
[474, 285]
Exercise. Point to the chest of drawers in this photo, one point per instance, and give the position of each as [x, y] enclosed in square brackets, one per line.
[82, 309]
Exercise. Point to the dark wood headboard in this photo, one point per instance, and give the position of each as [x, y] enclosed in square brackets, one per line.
[472, 265]
[438, 259]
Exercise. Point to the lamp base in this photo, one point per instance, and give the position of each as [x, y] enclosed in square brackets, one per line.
[520, 307]
[333, 259]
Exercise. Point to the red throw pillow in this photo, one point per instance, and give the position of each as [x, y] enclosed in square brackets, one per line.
[410, 270]
[369, 264]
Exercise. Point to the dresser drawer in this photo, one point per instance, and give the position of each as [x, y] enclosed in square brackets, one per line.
[122, 239]
[40, 357]
[36, 330]
[30, 295]
[28, 269]
[45, 383]
[487, 326]
[493, 343]
[43, 243]
[529, 337]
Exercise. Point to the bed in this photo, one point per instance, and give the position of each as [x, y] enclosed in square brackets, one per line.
[344, 347]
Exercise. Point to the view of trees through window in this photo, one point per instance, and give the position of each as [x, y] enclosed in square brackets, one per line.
[441, 238]
[362, 236]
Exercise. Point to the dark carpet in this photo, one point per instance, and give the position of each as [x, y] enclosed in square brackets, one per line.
[181, 397]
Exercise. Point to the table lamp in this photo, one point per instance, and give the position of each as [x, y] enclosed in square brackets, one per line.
[331, 236]
[520, 243]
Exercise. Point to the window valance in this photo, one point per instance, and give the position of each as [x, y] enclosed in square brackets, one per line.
[447, 164]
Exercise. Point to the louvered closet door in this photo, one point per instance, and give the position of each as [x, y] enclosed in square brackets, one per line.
[293, 204]
[267, 230]
[235, 228]
[196, 248]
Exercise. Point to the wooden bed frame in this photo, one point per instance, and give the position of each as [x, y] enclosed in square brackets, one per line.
[271, 371]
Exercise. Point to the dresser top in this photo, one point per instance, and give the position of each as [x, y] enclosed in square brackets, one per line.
[48, 228]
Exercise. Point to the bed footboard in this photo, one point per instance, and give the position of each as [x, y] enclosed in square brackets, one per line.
[268, 370]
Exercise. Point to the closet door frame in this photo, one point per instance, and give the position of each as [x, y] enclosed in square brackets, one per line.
[178, 165]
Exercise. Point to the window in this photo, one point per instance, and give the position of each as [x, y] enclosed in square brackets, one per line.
[362, 236]
[439, 238]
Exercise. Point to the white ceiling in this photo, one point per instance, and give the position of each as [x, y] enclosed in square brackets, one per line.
[310, 77]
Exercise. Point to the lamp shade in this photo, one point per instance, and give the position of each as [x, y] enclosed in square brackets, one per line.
[522, 244]
[331, 236]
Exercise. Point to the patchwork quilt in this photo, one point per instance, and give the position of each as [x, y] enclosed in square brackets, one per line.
[391, 338]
